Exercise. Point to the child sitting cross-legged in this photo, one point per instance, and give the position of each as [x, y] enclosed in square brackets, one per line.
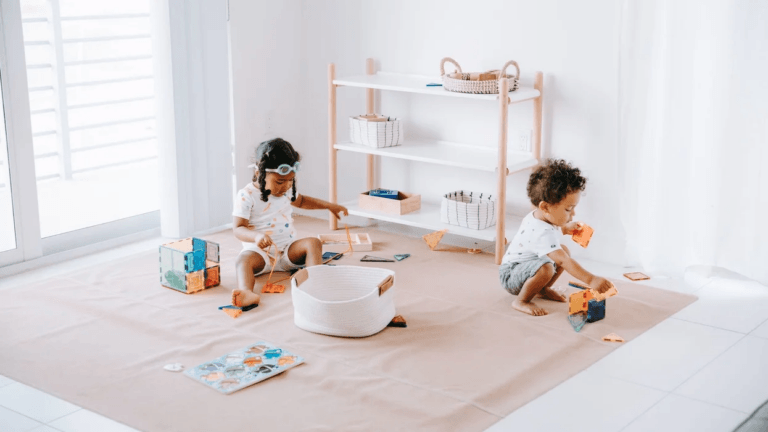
[535, 258]
[263, 220]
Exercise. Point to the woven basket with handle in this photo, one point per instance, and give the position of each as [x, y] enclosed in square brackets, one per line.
[478, 82]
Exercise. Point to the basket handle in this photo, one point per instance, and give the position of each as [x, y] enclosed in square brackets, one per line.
[442, 65]
[504, 69]
[386, 284]
[301, 276]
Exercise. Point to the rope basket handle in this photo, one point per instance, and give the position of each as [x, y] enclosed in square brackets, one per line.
[504, 69]
[448, 59]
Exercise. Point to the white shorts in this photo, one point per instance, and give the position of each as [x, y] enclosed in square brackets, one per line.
[283, 264]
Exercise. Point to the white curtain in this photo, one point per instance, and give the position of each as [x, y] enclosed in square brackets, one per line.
[694, 134]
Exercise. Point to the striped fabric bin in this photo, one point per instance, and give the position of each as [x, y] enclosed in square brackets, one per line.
[468, 210]
[375, 133]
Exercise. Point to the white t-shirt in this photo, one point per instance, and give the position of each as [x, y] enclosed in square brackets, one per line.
[534, 239]
[275, 215]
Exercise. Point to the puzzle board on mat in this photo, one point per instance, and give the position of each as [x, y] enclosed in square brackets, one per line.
[242, 368]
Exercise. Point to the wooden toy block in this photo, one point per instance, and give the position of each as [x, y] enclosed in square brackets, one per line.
[433, 239]
[184, 265]
[270, 288]
[613, 337]
[579, 302]
[339, 243]
[583, 235]
[636, 276]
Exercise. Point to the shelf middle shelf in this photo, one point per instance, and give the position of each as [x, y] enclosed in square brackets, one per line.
[428, 217]
[447, 153]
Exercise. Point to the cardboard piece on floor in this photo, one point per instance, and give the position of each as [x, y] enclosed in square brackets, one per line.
[270, 288]
[636, 276]
[434, 238]
[369, 258]
[583, 235]
[613, 337]
[397, 321]
[401, 257]
[579, 302]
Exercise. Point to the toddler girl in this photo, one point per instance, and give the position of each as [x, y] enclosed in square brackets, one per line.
[263, 218]
[535, 258]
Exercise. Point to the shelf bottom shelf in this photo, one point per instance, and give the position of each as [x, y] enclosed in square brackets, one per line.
[428, 217]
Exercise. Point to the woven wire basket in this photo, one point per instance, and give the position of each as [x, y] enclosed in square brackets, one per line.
[343, 300]
[375, 134]
[468, 210]
[489, 86]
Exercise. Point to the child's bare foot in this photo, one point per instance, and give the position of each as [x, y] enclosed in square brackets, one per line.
[528, 307]
[243, 298]
[550, 294]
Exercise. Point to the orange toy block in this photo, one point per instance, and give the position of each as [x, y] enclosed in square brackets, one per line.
[613, 337]
[636, 276]
[583, 235]
[234, 313]
[579, 302]
[271, 288]
[434, 238]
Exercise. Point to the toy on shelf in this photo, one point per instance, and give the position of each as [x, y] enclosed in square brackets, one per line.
[636, 276]
[582, 235]
[384, 193]
[433, 239]
[190, 265]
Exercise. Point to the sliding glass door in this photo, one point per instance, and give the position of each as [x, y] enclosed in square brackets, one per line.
[84, 150]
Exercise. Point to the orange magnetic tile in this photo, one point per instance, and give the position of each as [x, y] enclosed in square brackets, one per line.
[613, 337]
[234, 313]
[636, 276]
[434, 238]
[271, 288]
[579, 302]
[583, 235]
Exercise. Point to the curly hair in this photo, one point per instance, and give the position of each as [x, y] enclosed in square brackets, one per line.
[553, 181]
[270, 155]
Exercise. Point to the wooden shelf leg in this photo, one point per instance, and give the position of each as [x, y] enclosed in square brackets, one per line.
[537, 113]
[331, 141]
[501, 189]
[369, 109]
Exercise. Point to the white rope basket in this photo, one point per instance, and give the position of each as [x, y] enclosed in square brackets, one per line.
[375, 133]
[348, 301]
[468, 210]
[466, 84]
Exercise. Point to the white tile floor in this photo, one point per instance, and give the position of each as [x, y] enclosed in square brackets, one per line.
[702, 369]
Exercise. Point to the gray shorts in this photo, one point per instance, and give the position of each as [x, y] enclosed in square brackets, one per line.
[514, 274]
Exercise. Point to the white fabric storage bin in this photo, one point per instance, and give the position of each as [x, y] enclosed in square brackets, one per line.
[468, 210]
[375, 133]
[348, 301]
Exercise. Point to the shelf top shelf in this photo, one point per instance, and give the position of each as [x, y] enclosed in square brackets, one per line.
[447, 153]
[418, 84]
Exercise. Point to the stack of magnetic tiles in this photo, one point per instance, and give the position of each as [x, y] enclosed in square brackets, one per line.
[190, 265]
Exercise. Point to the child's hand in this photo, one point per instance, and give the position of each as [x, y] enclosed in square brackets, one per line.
[336, 209]
[263, 241]
[571, 227]
[600, 284]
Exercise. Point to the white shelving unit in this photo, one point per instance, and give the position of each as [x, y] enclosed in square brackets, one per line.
[470, 157]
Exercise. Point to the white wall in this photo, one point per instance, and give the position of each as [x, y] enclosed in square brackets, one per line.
[575, 44]
[192, 91]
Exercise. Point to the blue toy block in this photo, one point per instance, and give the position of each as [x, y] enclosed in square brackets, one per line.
[384, 193]
[198, 245]
[595, 311]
